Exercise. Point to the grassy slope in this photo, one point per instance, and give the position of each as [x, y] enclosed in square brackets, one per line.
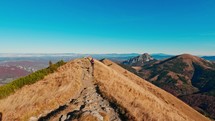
[47, 94]
[142, 100]
[11, 87]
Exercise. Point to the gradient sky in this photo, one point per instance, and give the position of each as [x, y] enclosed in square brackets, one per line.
[107, 26]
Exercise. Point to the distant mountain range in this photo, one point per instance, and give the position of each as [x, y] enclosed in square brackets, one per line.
[65, 55]
[160, 56]
[62, 56]
[69, 56]
[211, 58]
[188, 77]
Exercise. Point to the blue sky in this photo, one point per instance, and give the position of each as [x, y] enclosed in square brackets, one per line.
[107, 26]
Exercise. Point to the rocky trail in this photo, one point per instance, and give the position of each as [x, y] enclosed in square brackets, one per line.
[88, 106]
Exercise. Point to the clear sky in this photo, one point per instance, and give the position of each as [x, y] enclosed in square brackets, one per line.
[107, 26]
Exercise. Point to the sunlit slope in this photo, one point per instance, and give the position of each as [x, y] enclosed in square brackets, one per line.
[142, 100]
[45, 95]
[127, 94]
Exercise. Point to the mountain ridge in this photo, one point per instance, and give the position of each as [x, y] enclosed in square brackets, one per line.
[186, 76]
[132, 96]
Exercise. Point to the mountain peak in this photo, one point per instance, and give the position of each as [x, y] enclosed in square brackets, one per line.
[189, 56]
[194, 60]
[146, 56]
[139, 60]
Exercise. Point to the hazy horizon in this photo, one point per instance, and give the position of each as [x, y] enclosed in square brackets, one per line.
[68, 54]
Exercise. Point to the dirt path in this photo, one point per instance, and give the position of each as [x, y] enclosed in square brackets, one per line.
[88, 106]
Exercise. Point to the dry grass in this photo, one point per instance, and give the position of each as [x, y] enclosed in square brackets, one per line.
[141, 99]
[190, 59]
[45, 95]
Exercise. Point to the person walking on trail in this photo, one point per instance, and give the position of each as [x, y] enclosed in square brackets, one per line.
[92, 62]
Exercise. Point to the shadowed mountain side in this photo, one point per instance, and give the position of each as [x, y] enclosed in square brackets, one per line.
[186, 76]
[181, 75]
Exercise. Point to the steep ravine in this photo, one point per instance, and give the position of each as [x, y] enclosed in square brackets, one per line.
[89, 105]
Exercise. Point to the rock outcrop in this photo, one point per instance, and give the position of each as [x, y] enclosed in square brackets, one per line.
[140, 60]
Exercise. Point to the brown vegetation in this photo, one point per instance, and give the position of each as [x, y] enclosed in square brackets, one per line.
[134, 97]
[184, 75]
[141, 99]
[45, 95]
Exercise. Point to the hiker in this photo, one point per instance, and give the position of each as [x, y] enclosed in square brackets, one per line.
[92, 62]
[1, 116]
